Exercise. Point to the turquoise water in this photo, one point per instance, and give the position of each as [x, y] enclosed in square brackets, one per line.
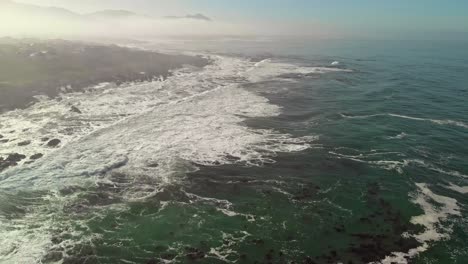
[379, 173]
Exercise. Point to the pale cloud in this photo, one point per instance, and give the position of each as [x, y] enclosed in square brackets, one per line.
[43, 21]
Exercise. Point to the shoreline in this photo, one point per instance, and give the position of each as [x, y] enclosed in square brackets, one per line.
[34, 67]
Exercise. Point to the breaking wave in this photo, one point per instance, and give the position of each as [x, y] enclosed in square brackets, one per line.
[435, 121]
[269, 68]
[457, 188]
[151, 134]
[436, 208]
[372, 158]
[431, 220]
[402, 135]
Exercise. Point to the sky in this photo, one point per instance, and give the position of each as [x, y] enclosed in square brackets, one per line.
[342, 17]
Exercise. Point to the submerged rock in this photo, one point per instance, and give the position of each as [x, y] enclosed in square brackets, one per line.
[168, 256]
[194, 253]
[54, 142]
[153, 165]
[53, 256]
[309, 260]
[10, 161]
[24, 143]
[3, 165]
[75, 110]
[258, 241]
[15, 157]
[36, 156]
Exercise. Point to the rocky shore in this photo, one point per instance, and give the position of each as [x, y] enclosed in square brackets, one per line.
[31, 67]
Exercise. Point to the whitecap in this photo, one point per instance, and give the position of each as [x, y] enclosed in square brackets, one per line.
[192, 118]
[457, 188]
[431, 220]
[435, 121]
[402, 135]
[397, 165]
[268, 68]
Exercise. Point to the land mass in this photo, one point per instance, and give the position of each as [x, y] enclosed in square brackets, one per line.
[52, 11]
[33, 67]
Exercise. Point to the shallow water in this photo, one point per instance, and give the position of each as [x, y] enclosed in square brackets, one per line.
[269, 155]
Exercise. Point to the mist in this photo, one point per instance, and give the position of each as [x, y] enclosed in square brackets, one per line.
[22, 20]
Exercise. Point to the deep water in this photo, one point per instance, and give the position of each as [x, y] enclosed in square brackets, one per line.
[273, 156]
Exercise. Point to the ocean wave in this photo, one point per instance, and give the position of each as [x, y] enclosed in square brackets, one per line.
[432, 167]
[369, 158]
[435, 121]
[133, 138]
[223, 206]
[397, 165]
[268, 68]
[431, 220]
[28, 238]
[402, 135]
[457, 188]
[437, 208]
[192, 116]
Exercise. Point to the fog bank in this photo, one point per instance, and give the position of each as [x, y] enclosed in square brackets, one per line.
[22, 20]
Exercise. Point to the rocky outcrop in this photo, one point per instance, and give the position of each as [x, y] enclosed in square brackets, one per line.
[11, 160]
[24, 143]
[36, 156]
[53, 143]
[75, 109]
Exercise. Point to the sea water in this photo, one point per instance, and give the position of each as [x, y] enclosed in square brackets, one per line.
[279, 151]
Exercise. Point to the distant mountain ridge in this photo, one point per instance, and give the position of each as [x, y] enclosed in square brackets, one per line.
[194, 16]
[37, 10]
[113, 12]
[52, 11]
[27, 20]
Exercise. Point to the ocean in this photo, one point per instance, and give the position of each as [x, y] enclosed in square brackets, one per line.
[278, 151]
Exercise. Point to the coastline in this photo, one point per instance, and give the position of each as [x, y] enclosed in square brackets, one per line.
[244, 145]
[32, 67]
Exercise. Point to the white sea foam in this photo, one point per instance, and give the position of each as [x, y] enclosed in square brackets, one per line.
[268, 68]
[223, 206]
[225, 251]
[457, 188]
[369, 158]
[432, 167]
[435, 121]
[431, 220]
[397, 165]
[192, 116]
[402, 135]
[148, 132]
[28, 238]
